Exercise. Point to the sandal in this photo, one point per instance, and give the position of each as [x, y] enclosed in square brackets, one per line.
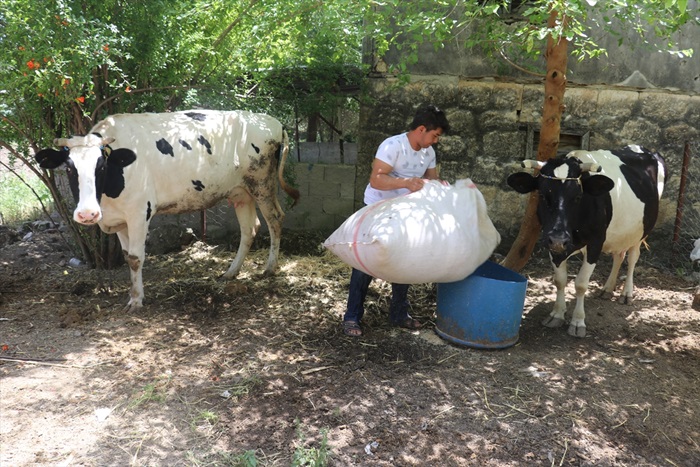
[408, 323]
[352, 328]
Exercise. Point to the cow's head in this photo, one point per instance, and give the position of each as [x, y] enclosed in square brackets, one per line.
[93, 169]
[563, 186]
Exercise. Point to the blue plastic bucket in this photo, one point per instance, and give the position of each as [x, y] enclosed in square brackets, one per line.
[483, 310]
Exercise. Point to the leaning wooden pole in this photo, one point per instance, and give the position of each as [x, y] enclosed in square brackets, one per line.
[554, 87]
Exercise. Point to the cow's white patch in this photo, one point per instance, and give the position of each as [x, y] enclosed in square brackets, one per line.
[562, 172]
[84, 152]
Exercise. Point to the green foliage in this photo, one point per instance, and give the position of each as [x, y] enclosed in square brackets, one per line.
[247, 459]
[152, 392]
[18, 198]
[311, 456]
[498, 30]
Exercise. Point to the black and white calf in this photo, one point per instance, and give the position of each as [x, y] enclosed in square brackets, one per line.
[172, 163]
[594, 202]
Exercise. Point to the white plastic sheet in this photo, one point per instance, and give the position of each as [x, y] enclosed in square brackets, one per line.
[437, 234]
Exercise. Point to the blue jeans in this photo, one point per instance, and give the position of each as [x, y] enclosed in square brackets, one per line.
[359, 284]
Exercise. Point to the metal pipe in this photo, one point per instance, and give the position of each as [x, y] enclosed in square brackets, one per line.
[681, 200]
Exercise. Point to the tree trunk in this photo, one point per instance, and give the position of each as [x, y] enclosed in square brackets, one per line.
[554, 87]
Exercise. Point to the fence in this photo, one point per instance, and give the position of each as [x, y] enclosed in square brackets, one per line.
[687, 222]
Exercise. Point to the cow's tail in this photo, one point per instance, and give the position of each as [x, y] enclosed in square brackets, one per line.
[291, 191]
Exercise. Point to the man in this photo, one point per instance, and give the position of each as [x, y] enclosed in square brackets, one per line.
[402, 164]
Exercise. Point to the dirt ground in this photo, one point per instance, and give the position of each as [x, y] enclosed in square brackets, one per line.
[215, 373]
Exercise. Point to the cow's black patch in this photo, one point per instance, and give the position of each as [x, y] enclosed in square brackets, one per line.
[165, 147]
[185, 145]
[51, 159]
[200, 117]
[257, 149]
[148, 211]
[109, 172]
[198, 185]
[203, 141]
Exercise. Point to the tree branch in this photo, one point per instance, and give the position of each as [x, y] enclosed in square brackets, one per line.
[518, 67]
[135, 91]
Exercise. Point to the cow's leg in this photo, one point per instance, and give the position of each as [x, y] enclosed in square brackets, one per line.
[628, 290]
[577, 326]
[244, 205]
[556, 317]
[609, 287]
[274, 216]
[133, 241]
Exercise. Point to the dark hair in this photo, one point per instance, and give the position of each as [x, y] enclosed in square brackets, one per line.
[431, 118]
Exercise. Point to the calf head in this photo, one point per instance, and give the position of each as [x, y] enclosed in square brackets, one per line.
[563, 185]
[93, 169]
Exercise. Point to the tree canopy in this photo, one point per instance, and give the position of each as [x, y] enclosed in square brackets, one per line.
[65, 64]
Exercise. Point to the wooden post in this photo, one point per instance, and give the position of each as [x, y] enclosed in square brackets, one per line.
[554, 87]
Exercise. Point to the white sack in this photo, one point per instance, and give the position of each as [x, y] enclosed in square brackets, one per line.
[436, 234]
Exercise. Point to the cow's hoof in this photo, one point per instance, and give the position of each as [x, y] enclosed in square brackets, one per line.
[228, 276]
[605, 295]
[625, 299]
[132, 307]
[552, 322]
[696, 302]
[577, 331]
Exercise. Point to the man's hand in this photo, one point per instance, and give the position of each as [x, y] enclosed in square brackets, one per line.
[414, 184]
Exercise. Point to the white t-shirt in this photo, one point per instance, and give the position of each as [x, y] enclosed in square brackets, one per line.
[405, 161]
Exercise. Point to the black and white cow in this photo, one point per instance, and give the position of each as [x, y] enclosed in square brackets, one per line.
[133, 166]
[594, 202]
[695, 254]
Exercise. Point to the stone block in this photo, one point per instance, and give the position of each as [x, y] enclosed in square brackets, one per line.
[324, 190]
[343, 207]
[339, 173]
[616, 104]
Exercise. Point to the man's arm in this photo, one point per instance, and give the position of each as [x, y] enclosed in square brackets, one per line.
[380, 179]
[431, 174]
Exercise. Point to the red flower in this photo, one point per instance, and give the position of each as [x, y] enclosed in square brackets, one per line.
[5, 348]
[81, 99]
[105, 48]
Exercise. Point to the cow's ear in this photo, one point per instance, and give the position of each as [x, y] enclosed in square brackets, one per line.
[597, 185]
[522, 182]
[121, 157]
[50, 158]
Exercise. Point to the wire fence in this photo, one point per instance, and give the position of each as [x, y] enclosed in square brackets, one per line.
[687, 222]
